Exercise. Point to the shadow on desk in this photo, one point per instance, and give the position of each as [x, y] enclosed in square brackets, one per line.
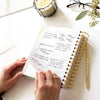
[58, 19]
[23, 90]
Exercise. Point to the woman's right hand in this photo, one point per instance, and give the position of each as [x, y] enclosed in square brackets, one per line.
[47, 86]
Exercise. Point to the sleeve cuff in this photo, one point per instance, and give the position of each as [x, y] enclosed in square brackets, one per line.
[1, 94]
[1, 98]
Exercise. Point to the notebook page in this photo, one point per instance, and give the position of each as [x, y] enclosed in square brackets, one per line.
[12, 6]
[53, 50]
[29, 70]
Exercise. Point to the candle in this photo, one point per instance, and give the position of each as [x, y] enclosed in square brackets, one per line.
[45, 8]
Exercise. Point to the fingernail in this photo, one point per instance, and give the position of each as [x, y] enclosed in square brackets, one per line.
[49, 71]
[21, 74]
[40, 72]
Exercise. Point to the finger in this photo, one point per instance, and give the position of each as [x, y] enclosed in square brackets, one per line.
[16, 70]
[36, 83]
[49, 77]
[36, 86]
[56, 80]
[16, 77]
[14, 65]
[23, 59]
[41, 79]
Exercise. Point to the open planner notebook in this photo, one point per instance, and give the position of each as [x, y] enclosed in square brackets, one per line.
[57, 49]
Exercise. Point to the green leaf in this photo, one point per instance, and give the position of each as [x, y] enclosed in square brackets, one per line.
[81, 15]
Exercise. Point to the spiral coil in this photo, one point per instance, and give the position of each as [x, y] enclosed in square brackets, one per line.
[75, 60]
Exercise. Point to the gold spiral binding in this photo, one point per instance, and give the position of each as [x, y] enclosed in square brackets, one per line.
[71, 74]
[67, 86]
[78, 49]
[83, 38]
[80, 44]
[73, 67]
[75, 60]
[78, 52]
[69, 78]
[67, 81]
[68, 73]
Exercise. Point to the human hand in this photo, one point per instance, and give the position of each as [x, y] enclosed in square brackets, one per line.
[47, 87]
[10, 74]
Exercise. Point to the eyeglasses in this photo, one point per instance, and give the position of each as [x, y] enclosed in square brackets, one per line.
[79, 4]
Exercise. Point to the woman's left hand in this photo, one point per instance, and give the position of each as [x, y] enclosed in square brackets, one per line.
[10, 74]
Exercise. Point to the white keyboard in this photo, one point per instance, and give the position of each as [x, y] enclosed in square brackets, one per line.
[8, 7]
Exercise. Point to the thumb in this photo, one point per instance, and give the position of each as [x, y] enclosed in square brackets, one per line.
[36, 83]
[16, 77]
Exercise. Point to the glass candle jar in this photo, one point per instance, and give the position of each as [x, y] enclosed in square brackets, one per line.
[45, 8]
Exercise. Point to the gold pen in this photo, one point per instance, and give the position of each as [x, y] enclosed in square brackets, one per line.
[87, 68]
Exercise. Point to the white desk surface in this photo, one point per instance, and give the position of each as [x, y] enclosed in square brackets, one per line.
[28, 24]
